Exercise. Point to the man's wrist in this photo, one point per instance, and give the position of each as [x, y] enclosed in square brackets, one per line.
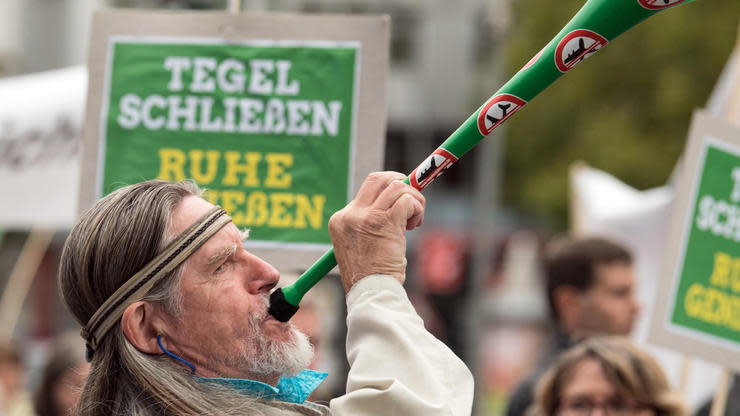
[350, 279]
[374, 283]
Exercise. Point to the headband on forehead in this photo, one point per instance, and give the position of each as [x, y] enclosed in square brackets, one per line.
[152, 273]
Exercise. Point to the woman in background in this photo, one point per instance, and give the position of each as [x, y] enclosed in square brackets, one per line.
[606, 374]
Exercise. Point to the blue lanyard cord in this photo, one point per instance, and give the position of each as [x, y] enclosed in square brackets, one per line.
[159, 341]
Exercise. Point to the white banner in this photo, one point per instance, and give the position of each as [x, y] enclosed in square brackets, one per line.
[40, 138]
[639, 220]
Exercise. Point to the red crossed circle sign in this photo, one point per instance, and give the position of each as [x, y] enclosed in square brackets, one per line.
[577, 46]
[659, 4]
[497, 110]
[431, 168]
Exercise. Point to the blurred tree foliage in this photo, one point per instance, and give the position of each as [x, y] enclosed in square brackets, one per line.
[625, 110]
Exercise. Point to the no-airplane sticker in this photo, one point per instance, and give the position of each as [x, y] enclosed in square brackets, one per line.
[497, 110]
[431, 168]
[577, 46]
[659, 4]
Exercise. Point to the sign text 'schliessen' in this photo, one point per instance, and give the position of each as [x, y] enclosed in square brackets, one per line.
[266, 127]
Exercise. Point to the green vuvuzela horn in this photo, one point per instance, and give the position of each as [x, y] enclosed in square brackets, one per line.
[596, 24]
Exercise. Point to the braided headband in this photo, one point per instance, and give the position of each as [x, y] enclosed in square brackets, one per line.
[142, 282]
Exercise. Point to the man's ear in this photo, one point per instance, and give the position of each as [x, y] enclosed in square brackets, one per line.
[567, 303]
[139, 323]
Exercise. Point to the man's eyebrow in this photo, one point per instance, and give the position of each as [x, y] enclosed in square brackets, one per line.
[223, 253]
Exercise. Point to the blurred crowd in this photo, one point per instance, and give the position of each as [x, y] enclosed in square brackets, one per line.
[591, 364]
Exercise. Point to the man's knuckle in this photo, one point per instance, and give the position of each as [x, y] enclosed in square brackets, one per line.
[398, 186]
[336, 221]
[408, 199]
[375, 177]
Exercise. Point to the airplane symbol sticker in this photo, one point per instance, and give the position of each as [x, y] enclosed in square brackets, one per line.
[497, 110]
[431, 168]
[577, 46]
[659, 4]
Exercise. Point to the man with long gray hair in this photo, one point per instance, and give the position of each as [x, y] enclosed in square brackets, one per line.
[174, 312]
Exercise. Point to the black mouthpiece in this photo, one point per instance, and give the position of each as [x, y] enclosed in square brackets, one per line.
[280, 308]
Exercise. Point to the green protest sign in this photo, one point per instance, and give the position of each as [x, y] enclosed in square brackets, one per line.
[266, 127]
[278, 117]
[698, 305]
[708, 291]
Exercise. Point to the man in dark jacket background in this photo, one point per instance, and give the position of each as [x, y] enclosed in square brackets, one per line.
[590, 285]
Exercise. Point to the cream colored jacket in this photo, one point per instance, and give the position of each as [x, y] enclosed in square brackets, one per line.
[396, 366]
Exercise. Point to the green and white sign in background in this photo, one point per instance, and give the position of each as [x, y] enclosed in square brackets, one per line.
[698, 305]
[708, 287]
[279, 116]
[266, 127]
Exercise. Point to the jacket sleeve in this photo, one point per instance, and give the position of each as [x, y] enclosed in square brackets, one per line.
[396, 366]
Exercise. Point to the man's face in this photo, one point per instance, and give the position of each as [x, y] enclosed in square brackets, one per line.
[224, 327]
[609, 307]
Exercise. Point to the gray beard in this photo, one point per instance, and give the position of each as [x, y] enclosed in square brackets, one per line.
[263, 357]
[274, 357]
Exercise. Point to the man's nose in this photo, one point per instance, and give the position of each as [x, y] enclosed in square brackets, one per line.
[262, 276]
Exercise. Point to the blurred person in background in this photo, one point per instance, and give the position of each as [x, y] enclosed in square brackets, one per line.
[14, 399]
[609, 374]
[732, 405]
[590, 285]
[63, 377]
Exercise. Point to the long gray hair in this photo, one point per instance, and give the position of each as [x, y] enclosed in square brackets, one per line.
[110, 243]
